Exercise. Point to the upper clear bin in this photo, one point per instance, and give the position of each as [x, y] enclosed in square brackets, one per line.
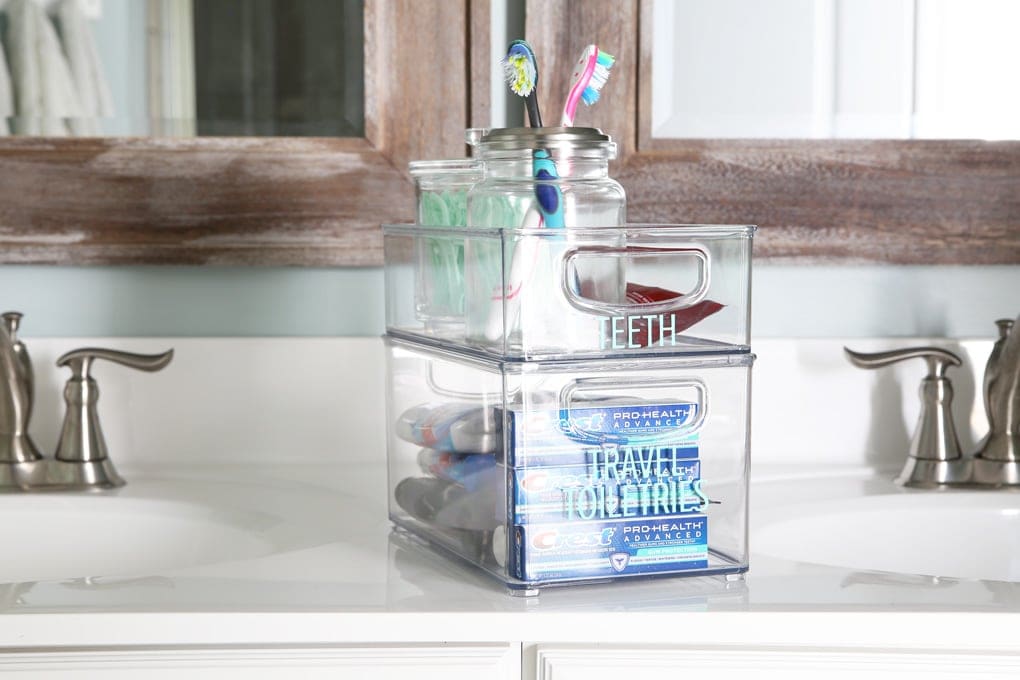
[537, 293]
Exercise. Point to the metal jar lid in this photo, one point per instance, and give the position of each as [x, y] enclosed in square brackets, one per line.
[516, 139]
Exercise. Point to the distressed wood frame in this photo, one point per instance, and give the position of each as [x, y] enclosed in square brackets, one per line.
[845, 201]
[252, 201]
[319, 202]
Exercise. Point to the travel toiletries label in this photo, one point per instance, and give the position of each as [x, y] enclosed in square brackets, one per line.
[570, 436]
[610, 548]
[629, 482]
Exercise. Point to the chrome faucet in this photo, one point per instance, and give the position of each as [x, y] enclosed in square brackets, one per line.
[935, 458]
[997, 460]
[81, 460]
[16, 446]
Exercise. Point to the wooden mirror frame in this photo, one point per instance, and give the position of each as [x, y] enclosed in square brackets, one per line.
[319, 202]
[254, 201]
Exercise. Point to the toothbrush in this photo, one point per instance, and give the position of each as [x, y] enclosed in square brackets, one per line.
[589, 76]
[521, 70]
[520, 67]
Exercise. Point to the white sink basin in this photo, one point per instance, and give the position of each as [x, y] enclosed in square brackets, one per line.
[147, 528]
[960, 534]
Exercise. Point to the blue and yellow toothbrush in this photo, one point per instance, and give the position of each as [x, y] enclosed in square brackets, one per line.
[521, 69]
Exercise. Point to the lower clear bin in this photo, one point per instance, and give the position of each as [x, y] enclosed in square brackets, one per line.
[545, 473]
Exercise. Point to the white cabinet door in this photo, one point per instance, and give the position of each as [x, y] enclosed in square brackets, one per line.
[407, 662]
[578, 662]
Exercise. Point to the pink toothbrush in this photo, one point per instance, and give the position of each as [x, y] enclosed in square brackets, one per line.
[590, 74]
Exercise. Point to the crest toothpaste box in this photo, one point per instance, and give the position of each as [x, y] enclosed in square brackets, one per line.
[570, 550]
[571, 436]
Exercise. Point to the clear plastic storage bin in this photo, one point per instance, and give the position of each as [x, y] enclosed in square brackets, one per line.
[572, 293]
[546, 473]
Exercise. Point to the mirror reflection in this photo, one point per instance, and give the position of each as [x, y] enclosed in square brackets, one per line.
[881, 69]
[182, 67]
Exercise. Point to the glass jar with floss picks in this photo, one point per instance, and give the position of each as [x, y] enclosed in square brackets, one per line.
[441, 188]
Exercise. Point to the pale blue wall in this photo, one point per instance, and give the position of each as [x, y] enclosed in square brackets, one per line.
[183, 301]
[223, 301]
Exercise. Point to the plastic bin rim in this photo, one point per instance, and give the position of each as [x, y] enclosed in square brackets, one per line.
[664, 230]
[641, 361]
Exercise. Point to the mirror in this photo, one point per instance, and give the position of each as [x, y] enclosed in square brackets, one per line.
[182, 67]
[878, 69]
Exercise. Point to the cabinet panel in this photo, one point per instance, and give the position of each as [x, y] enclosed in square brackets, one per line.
[424, 662]
[571, 662]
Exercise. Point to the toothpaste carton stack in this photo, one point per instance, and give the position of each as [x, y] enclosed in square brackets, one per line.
[605, 491]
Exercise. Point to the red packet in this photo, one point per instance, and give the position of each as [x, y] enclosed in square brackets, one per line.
[675, 322]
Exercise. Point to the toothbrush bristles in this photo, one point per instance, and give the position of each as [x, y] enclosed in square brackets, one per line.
[520, 73]
[599, 77]
[606, 59]
[521, 70]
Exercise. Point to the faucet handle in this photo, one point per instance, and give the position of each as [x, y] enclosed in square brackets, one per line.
[80, 360]
[81, 438]
[938, 359]
[935, 456]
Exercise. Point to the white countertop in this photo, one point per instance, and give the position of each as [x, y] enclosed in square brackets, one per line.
[334, 573]
[346, 578]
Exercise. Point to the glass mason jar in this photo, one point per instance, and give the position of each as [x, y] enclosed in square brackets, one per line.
[441, 189]
[551, 179]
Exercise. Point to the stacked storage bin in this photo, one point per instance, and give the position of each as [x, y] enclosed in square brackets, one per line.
[579, 410]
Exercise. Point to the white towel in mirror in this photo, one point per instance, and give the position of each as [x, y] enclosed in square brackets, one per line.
[44, 92]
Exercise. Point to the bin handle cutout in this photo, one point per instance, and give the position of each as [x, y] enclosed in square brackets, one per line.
[569, 394]
[570, 289]
[433, 384]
